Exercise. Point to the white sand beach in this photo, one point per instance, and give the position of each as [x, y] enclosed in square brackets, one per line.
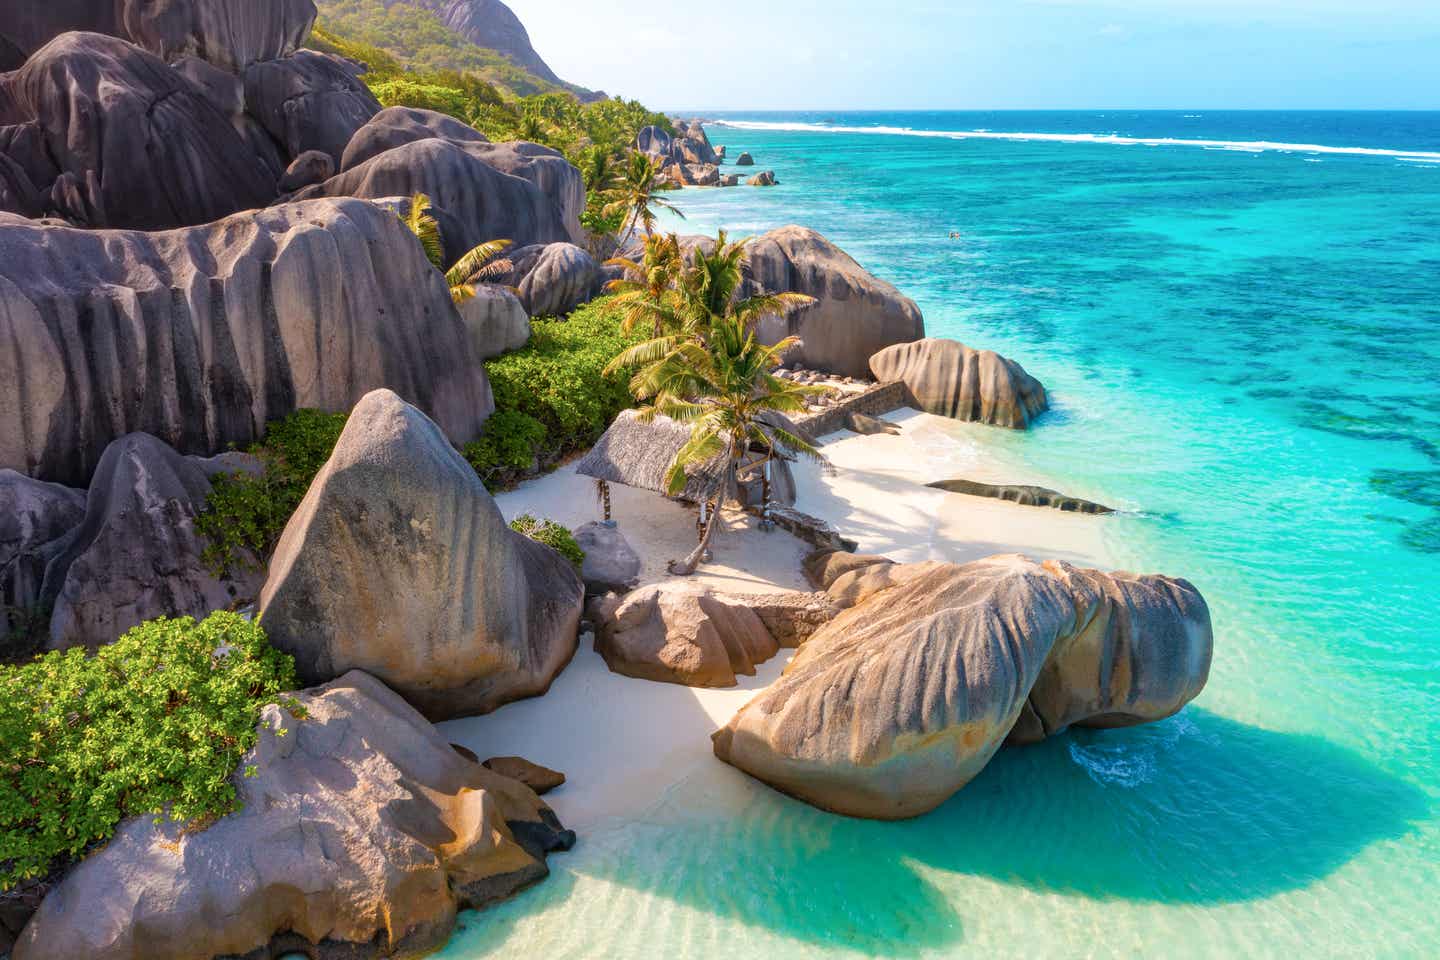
[626, 743]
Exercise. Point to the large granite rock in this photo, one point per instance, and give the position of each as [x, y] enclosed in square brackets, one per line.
[311, 167]
[483, 203]
[1025, 495]
[554, 279]
[855, 315]
[900, 701]
[540, 779]
[949, 379]
[496, 321]
[611, 565]
[680, 633]
[398, 563]
[311, 101]
[135, 144]
[360, 834]
[396, 126]
[18, 194]
[200, 336]
[136, 555]
[228, 33]
[33, 515]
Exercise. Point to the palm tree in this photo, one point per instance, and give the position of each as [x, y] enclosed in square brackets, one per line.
[637, 194]
[724, 387]
[647, 291]
[479, 265]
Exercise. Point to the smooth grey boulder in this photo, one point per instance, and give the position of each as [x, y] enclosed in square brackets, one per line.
[554, 279]
[310, 101]
[611, 564]
[1027, 496]
[901, 700]
[855, 313]
[203, 335]
[866, 425]
[33, 515]
[397, 126]
[399, 563]
[137, 555]
[483, 203]
[495, 320]
[311, 167]
[143, 146]
[228, 33]
[948, 379]
[359, 833]
[745, 160]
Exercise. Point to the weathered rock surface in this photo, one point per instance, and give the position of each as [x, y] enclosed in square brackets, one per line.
[399, 563]
[855, 315]
[553, 279]
[200, 336]
[396, 126]
[611, 564]
[18, 194]
[766, 179]
[540, 779]
[791, 617]
[866, 425]
[134, 143]
[823, 567]
[949, 379]
[1027, 496]
[496, 321]
[901, 700]
[228, 33]
[311, 167]
[33, 515]
[311, 101]
[360, 834]
[681, 633]
[483, 203]
[745, 160]
[136, 555]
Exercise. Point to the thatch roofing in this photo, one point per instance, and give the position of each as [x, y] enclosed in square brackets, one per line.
[638, 454]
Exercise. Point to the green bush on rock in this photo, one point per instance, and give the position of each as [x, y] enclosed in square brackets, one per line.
[552, 534]
[153, 723]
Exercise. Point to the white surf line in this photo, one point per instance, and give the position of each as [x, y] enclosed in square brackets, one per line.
[1249, 146]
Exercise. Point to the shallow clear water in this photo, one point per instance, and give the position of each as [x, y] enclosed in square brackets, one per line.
[1243, 350]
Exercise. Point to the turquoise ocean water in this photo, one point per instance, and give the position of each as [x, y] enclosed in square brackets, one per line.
[1243, 346]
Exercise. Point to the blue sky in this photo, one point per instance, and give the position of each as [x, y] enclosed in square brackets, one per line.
[1001, 54]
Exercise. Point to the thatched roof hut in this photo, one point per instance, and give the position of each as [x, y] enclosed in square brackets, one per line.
[638, 454]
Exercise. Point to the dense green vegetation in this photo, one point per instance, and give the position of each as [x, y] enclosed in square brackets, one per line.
[552, 534]
[246, 513]
[153, 723]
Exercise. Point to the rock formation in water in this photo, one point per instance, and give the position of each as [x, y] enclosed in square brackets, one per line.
[902, 699]
[200, 336]
[360, 834]
[949, 379]
[399, 563]
[766, 179]
[1027, 496]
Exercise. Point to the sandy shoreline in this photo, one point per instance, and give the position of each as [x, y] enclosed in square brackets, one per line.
[624, 743]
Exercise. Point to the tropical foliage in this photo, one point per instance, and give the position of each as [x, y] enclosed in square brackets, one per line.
[636, 196]
[552, 534]
[478, 265]
[154, 723]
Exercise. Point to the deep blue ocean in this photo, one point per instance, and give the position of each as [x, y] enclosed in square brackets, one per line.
[1242, 344]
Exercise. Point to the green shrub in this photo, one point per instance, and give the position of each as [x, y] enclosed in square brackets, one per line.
[245, 515]
[153, 723]
[559, 380]
[401, 92]
[508, 447]
[552, 534]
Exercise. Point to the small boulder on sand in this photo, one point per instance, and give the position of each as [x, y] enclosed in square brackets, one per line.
[537, 778]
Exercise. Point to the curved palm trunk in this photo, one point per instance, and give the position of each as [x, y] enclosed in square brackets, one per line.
[691, 563]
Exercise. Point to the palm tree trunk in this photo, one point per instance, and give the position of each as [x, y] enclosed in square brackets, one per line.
[691, 563]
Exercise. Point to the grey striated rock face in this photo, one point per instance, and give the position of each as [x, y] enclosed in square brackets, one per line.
[495, 320]
[949, 379]
[611, 564]
[654, 141]
[396, 126]
[228, 33]
[133, 143]
[900, 701]
[856, 314]
[33, 515]
[200, 336]
[1027, 496]
[360, 835]
[399, 563]
[136, 555]
[483, 203]
[17, 192]
[554, 279]
[310, 101]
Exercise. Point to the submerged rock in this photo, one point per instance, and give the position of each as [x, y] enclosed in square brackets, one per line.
[745, 160]
[902, 699]
[949, 379]
[540, 779]
[399, 563]
[766, 179]
[1024, 495]
[360, 833]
